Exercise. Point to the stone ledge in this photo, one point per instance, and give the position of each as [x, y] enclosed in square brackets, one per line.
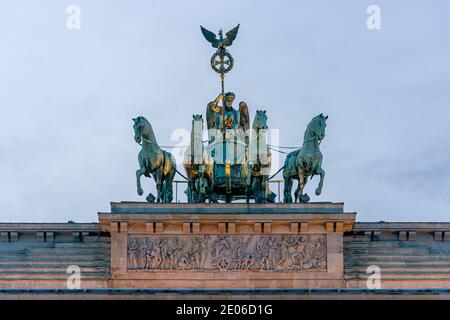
[209, 291]
[226, 208]
[182, 292]
[51, 227]
[401, 226]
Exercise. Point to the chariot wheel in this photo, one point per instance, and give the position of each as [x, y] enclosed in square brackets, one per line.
[223, 263]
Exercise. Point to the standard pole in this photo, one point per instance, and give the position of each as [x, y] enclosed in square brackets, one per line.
[222, 78]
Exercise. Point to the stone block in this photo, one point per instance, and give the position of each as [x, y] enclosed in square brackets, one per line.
[40, 235]
[402, 236]
[231, 227]
[150, 227]
[76, 235]
[447, 236]
[257, 227]
[330, 227]
[411, 236]
[123, 227]
[304, 227]
[294, 227]
[222, 227]
[159, 227]
[438, 236]
[195, 227]
[186, 227]
[4, 236]
[114, 227]
[49, 236]
[14, 236]
[267, 227]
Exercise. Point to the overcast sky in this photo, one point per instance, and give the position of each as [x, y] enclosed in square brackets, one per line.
[67, 97]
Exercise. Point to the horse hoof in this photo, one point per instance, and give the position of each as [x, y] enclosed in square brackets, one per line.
[150, 198]
[304, 198]
[318, 191]
[271, 198]
[140, 191]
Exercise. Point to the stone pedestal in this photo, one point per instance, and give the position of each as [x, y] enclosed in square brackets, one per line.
[227, 245]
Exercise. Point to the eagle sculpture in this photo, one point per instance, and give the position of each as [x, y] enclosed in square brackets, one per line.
[220, 43]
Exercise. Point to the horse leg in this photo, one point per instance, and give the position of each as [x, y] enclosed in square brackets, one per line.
[287, 189]
[210, 187]
[301, 185]
[258, 193]
[263, 187]
[139, 173]
[249, 188]
[169, 185]
[321, 172]
[296, 192]
[158, 180]
[166, 190]
[189, 191]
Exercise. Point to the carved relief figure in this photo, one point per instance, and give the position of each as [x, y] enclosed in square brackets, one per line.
[224, 252]
[133, 252]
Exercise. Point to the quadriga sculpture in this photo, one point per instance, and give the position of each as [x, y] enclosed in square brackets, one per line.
[305, 162]
[153, 161]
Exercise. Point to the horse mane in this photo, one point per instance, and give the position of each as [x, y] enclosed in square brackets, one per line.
[152, 136]
[310, 124]
[196, 140]
[200, 132]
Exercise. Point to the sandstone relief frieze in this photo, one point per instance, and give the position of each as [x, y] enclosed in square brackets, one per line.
[227, 253]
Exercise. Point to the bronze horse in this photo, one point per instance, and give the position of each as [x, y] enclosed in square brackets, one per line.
[305, 162]
[153, 161]
[259, 160]
[199, 165]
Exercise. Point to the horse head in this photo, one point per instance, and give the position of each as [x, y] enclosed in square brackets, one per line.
[316, 128]
[143, 130]
[139, 128]
[197, 117]
[260, 121]
[197, 129]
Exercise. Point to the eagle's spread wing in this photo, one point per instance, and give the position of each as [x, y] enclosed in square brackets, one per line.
[231, 35]
[210, 117]
[210, 36]
[244, 117]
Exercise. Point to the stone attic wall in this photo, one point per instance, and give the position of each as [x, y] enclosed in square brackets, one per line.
[410, 255]
[34, 255]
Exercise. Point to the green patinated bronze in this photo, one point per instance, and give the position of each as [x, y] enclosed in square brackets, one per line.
[199, 165]
[236, 161]
[153, 161]
[221, 61]
[260, 161]
[305, 162]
